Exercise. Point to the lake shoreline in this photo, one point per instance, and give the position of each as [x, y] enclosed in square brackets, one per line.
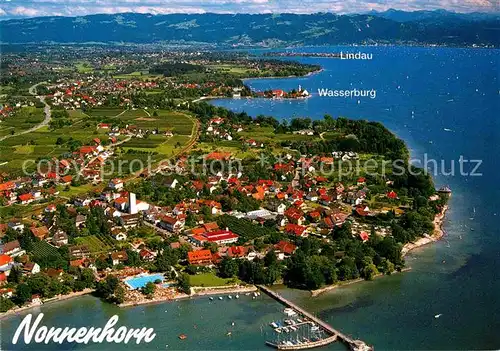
[49, 301]
[255, 78]
[436, 236]
[204, 291]
[317, 292]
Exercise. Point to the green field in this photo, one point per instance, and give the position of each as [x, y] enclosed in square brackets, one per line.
[209, 279]
[45, 143]
[231, 68]
[159, 145]
[95, 244]
[84, 67]
[44, 249]
[267, 135]
[104, 112]
[74, 191]
[24, 118]
[137, 75]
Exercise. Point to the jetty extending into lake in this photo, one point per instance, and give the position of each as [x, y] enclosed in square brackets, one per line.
[334, 334]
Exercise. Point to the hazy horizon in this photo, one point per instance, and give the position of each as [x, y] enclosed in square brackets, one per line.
[11, 9]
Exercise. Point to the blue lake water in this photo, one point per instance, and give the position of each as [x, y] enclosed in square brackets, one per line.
[420, 93]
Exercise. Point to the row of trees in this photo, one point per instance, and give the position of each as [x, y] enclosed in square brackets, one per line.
[44, 285]
[316, 263]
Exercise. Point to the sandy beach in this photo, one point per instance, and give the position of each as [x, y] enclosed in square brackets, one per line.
[438, 234]
[235, 289]
[136, 298]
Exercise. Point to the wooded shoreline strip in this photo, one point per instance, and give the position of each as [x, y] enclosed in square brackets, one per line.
[438, 234]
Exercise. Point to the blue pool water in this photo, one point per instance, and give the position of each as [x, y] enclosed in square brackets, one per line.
[140, 282]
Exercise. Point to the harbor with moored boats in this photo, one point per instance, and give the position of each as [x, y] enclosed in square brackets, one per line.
[301, 330]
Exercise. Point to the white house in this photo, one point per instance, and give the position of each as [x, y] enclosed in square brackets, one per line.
[31, 268]
[16, 225]
[171, 183]
[115, 184]
[119, 234]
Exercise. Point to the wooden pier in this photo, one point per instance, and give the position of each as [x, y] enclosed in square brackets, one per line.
[354, 345]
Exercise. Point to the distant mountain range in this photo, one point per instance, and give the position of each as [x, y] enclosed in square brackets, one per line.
[404, 16]
[395, 27]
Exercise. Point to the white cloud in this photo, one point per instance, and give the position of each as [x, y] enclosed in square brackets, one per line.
[30, 8]
[24, 11]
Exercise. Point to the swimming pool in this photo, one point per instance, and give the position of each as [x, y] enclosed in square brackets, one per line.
[141, 281]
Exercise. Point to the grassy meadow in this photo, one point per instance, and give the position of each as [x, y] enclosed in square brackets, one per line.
[45, 143]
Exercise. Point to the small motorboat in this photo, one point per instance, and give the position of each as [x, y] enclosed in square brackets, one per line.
[220, 297]
[211, 298]
[183, 336]
[230, 297]
[438, 315]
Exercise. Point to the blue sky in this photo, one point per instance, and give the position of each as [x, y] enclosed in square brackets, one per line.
[31, 8]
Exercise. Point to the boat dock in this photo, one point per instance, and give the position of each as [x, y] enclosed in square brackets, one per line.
[309, 345]
[354, 345]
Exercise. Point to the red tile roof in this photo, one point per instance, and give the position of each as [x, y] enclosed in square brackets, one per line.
[295, 229]
[285, 247]
[210, 226]
[392, 195]
[26, 197]
[236, 251]
[200, 256]
[7, 186]
[40, 232]
[220, 235]
[87, 149]
[67, 179]
[364, 236]
[5, 259]
[121, 200]
[293, 213]
[218, 156]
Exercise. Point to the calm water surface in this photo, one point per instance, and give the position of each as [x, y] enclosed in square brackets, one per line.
[420, 92]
